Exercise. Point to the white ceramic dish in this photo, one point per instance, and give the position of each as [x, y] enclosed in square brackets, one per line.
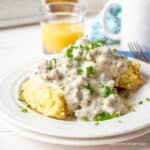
[35, 122]
[78, 142]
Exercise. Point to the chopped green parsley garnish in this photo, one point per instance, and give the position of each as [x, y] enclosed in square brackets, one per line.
[81, 46]
[107, 90]
[29, 106]
[89, 70]
[54, 60]
[94, 61]
[63, 88]
[90, 88]
[98, 43]
[69, 52]
[76, 58]
[23, 109]
[68, 65]
[114, 50]
[106, 116]
[85, 118]
[94, 44]
[122, 56]
[49, 68]
[140, 102]
[148, 99]
[21, 98]
[74, 47]
[87, 48]
[134, 110]
[53, 65]
[79, 71]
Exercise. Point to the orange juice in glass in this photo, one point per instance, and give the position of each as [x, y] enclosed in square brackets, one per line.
[61, 27]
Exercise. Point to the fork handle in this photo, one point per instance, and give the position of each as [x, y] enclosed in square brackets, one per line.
[126, 53]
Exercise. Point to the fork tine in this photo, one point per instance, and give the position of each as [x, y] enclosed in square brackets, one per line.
[141, 51]
[137, 52]
[132, 50]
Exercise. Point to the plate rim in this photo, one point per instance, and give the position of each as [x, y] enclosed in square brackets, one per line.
[79, 142]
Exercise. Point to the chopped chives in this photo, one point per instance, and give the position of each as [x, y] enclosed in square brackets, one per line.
[140, 102]
[106, 116]
[21, 98]
[23, 109]
[148, 99]
[90, 70]
[49, 68]
[79, 71]
[85, 118]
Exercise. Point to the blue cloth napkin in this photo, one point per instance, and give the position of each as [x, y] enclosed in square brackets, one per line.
[129, 54]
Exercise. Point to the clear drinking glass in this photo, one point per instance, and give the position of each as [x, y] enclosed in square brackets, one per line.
[61, 25]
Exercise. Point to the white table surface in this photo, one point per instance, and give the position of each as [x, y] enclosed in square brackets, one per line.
[21, 46]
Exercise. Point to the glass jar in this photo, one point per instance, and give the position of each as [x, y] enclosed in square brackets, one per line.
[61, 25]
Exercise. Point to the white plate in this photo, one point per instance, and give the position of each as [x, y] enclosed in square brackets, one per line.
[78, 142]
[71, 129]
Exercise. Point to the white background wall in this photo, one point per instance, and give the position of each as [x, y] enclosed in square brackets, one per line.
[17, 12]
[13, 12]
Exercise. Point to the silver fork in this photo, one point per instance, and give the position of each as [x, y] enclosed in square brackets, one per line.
[138, 52]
